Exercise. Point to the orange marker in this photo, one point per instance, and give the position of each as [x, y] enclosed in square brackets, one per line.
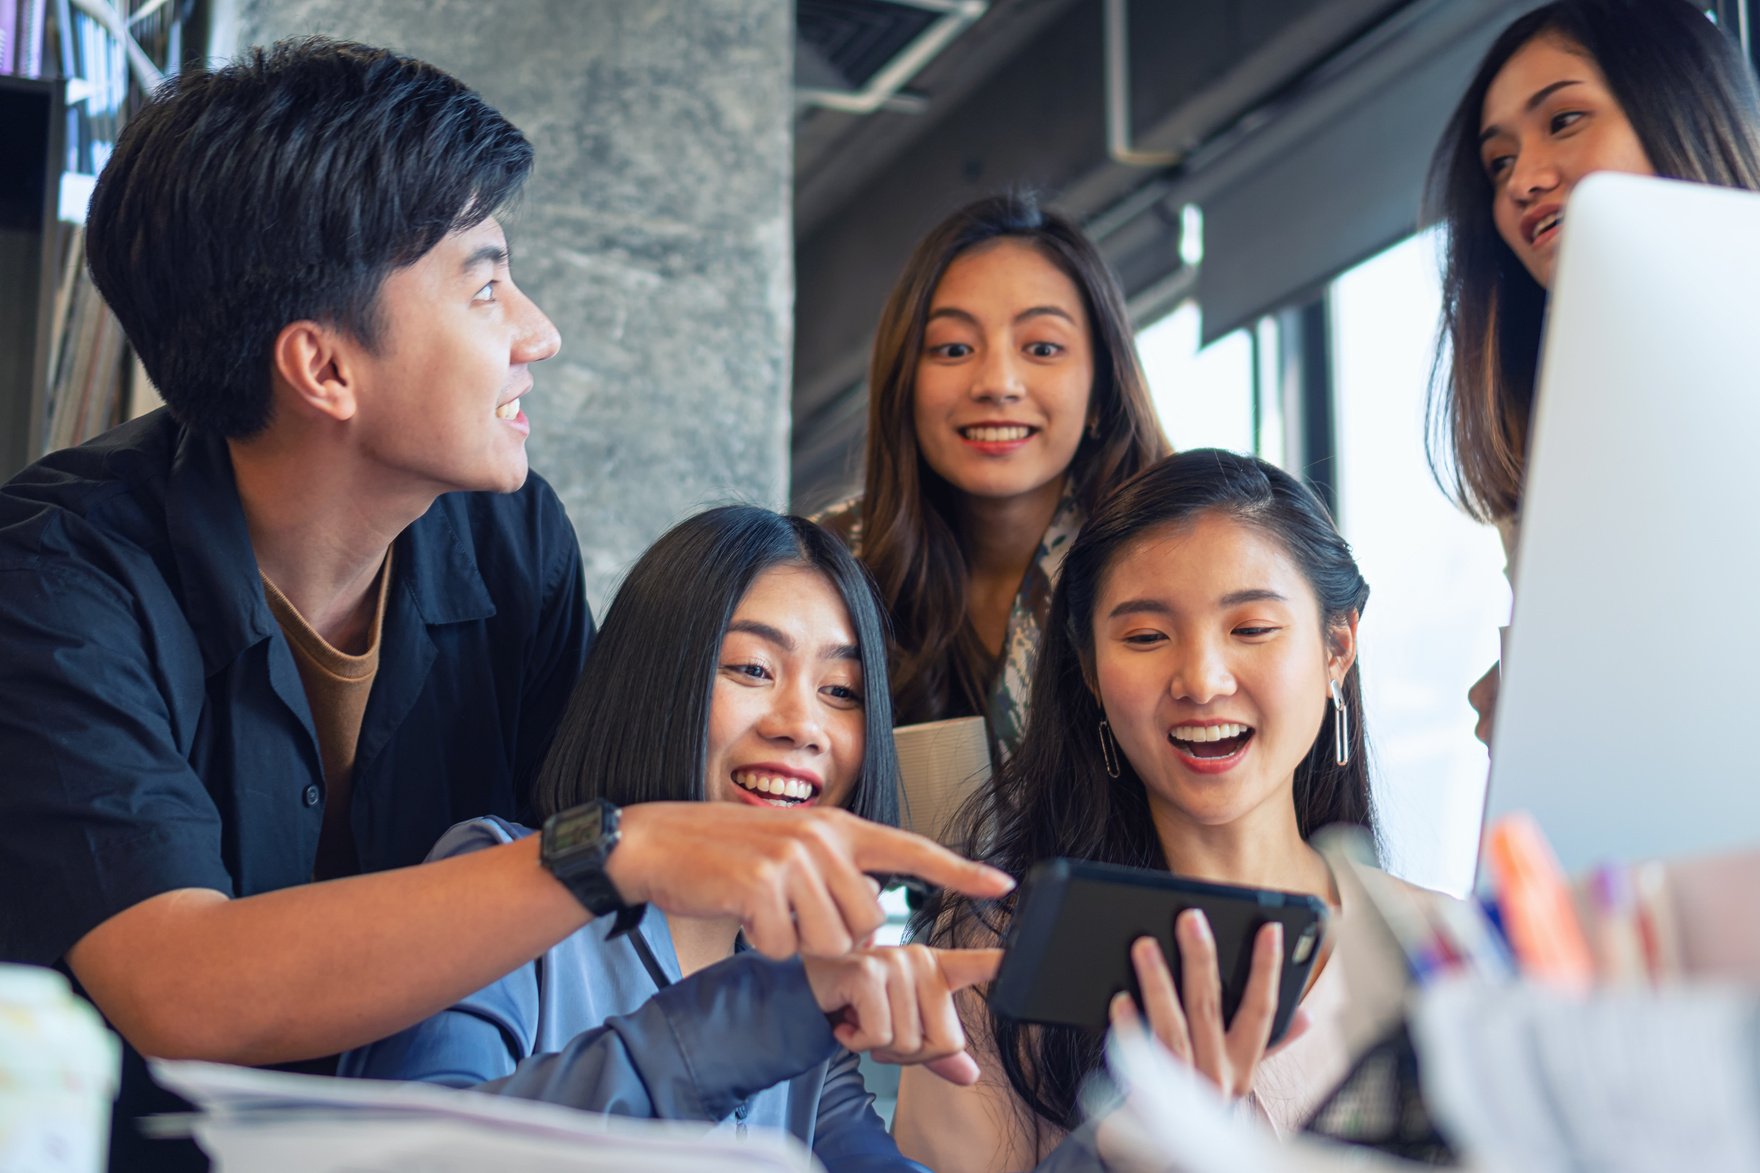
[1538, 916]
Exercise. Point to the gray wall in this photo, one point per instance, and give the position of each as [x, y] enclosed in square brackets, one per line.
[656, 232]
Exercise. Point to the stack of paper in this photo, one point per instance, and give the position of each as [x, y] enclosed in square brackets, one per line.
[272, 1122]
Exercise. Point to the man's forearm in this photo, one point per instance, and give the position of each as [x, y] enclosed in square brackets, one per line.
[320, 968]
[326, 967]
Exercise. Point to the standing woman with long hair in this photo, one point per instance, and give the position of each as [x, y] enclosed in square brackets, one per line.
[1005, 401]
[1647, 87]
[1197, 708]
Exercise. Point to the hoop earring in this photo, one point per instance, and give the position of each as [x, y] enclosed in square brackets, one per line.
[1341, 726]
[1108, 750]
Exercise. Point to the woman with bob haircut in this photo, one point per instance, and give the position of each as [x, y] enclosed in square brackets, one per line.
[1005, 400]
[743, 660]
[1197, 708]
[1647, 87]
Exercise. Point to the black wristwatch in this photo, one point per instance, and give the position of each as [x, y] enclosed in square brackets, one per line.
[577, 844]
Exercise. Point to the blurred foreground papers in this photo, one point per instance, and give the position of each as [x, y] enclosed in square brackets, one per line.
[271, 1122]
[1523, 1079]
[1531, 1078]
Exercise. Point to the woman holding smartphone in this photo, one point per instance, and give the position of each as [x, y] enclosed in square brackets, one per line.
[742, 661]
[1198, 709]
[1005, 400]
[1647, 87]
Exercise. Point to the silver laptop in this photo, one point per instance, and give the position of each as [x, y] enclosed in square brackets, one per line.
[1631, 686]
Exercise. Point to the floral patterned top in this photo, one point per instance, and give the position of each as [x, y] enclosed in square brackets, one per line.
[1006, 708]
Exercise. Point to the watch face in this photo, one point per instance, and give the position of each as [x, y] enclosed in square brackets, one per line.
[581, 828]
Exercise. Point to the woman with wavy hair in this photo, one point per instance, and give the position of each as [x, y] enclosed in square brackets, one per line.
[1198, 709]
[1005, 401]
[1648, 87]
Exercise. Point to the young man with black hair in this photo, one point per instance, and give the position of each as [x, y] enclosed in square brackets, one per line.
[296, 624]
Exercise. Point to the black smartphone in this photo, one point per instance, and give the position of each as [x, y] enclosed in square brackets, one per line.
[1067, 951]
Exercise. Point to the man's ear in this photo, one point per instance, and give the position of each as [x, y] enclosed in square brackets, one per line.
[1341, 647]
[316, 364]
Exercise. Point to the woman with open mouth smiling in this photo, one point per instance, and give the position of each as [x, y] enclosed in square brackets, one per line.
[743, 660]
[1005, 400]
[1197, 708]
[1647, 87]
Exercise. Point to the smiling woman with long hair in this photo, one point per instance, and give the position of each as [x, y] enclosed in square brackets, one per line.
[1649, 87]
[1005, 400]
[742, 661]
[1198, 672]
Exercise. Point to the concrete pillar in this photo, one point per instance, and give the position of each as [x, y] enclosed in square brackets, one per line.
[655, 231]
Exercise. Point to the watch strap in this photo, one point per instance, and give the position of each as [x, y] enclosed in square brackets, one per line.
[628, 917]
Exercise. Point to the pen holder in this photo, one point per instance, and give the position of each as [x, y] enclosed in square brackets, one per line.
[1379, 1106]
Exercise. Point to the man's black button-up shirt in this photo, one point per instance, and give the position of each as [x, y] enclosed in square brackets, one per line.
[154, 733]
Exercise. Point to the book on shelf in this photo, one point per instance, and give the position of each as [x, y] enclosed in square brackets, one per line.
[8, 36]
[142, 395]
[73, 255]
[32, 36]
[93, 381]
[23, 35]
[86, 384]
[63, 42]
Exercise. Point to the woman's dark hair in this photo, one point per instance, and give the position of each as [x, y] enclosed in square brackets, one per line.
[911, 540]
[637, 725]
[283, 186]
[1054, 797]
[1690, 97]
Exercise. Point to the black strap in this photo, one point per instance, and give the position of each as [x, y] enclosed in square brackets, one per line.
[628, 917]
[649, 961]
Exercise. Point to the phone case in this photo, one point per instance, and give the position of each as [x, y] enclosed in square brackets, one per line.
[1068, 950]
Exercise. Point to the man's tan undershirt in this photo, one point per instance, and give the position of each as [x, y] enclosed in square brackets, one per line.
[337, 687]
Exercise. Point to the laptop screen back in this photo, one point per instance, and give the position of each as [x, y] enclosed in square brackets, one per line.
[1631, 688]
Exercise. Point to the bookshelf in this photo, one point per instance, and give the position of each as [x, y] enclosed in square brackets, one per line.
[65, 370]
[31, 144]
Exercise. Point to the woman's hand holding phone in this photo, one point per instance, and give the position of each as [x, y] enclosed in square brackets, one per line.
[1228, 1057]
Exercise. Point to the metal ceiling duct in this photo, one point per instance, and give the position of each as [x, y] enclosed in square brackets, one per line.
[856, 56]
